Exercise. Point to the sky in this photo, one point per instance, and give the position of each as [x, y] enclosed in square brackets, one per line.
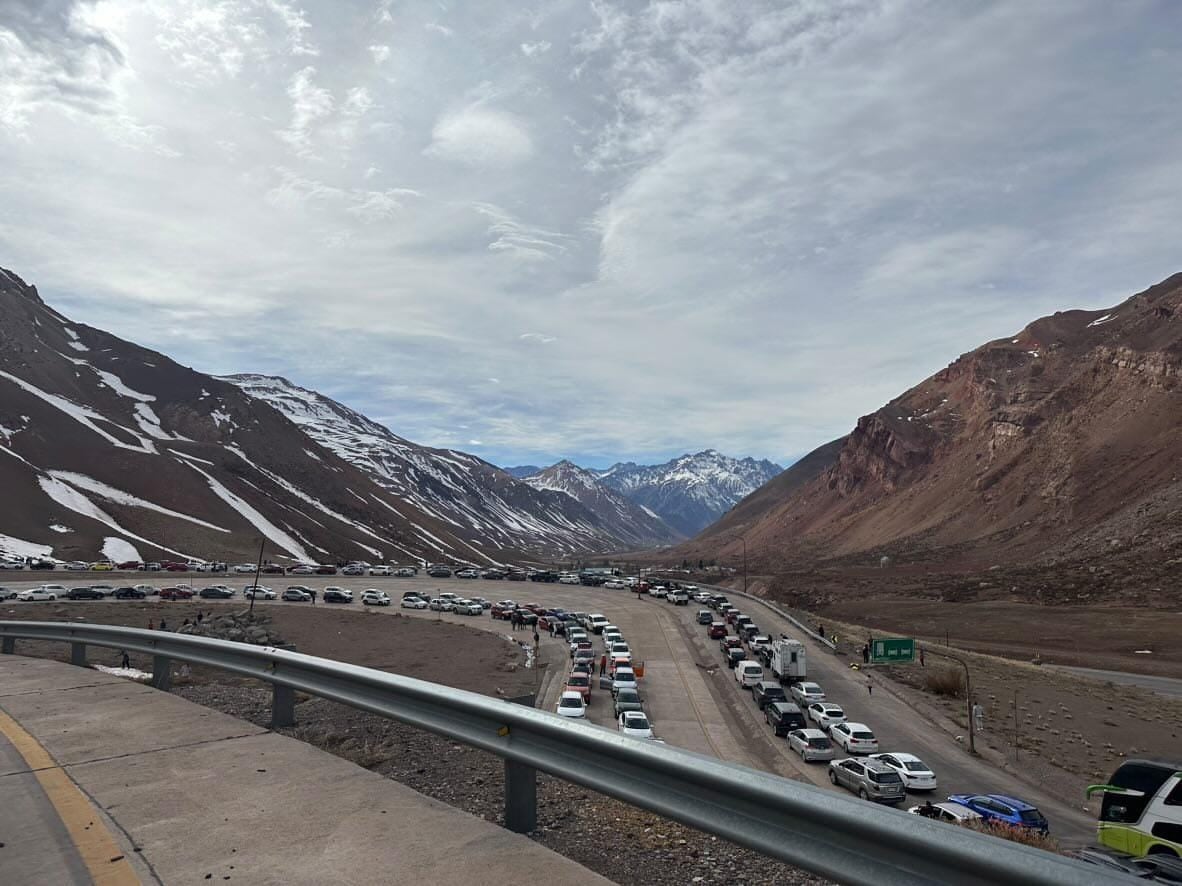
[596, 230]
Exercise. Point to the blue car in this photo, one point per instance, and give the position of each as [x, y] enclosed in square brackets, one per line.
[1004, 810]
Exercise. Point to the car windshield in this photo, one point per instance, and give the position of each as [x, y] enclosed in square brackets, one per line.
[915, 766]
[624, 675]
[834, 712]
[1030, 815]
[636, 722]
[572, 702]
[578, 681]
[628, 695]
[864, 736]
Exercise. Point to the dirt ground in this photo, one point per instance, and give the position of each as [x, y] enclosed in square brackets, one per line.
[1081, 636]
[388, 642]
[1063, 731]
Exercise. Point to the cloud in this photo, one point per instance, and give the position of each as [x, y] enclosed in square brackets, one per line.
[520, 240]
[537, 337]
[380, 52]
[439, 29]
[532, 49]
[309, 104]
[482, 138]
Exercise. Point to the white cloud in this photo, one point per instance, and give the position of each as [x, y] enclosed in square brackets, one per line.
[481, 137]
[439, 29]
[537, 337]
[531, 49]
[380, 52]
[309, 105]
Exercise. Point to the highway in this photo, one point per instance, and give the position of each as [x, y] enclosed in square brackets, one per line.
[691, 697]
[1169, 686]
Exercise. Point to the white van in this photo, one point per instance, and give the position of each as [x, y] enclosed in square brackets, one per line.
[748, 673]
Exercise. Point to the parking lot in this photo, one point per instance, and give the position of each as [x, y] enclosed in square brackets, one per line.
[690, 695]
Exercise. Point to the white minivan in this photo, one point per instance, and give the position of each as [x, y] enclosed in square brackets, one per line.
[748, 673]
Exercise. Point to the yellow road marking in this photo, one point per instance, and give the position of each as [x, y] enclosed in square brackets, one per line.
[97, 847]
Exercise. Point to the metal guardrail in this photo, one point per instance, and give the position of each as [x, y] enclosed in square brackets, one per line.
[838, 837]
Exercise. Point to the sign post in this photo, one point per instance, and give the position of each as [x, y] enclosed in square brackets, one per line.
[892, 650]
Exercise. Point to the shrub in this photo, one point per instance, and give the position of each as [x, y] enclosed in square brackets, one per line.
[944, 681]
[1025, 836]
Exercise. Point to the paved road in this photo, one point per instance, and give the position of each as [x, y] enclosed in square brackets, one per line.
[1169, 686]
[694, 701]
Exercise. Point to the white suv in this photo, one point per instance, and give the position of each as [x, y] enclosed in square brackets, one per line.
[375, 598]
[596, 623]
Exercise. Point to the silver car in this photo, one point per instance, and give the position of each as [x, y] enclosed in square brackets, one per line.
[811, 744]
[869, 779]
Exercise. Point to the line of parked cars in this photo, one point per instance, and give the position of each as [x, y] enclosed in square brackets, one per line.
[817, 728]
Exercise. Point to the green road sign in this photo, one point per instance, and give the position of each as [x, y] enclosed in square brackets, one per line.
[892, 650]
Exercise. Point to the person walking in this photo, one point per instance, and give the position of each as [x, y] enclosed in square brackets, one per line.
[151, 625]
[125, 661]
[602, 664]
[163, 625]
[869, 686]
[865, 653]
[978, 717]
[200, 616]
[921, 664]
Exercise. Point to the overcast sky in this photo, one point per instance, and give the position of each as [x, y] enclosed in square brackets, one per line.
[597, 230]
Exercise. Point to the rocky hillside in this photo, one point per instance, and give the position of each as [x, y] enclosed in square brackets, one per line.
[109, 448]
[634, 524]
[1062, 442]
[476, 500]
[692, 491]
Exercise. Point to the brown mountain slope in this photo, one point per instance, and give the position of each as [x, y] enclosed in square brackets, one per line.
[108, 445]
[1061, 442]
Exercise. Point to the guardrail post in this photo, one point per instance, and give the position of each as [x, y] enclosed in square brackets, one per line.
[521, 797]
[8, 646]
[161, 672]
[282, 706]
[78, 654]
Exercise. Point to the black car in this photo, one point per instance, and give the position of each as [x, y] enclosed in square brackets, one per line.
[544, 575]
[734, 656]
[717, 600]
[439, 572]
[332, 595]
[783, 717]
[215, 593]
[705, 616]
[129, 594]
[765, 692]
[84, 594]
[42, 564]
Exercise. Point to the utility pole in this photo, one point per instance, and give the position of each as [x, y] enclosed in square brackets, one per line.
[968, 694]
[257, 571]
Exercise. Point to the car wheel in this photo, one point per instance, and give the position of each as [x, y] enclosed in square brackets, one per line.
[832, 776]
[862, 794]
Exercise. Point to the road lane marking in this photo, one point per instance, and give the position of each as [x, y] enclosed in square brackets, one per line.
[94, 842]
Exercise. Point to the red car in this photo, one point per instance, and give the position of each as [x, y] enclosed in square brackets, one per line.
[717, 630]
[176, 567]
[131, 564]
[580, 682]
[326, 570]
[501, 612]
[176, 594]
[273, 569]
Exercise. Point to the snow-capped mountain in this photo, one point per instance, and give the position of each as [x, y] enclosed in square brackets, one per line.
[627, 520]
[692, 491]
[477, 500]
[108, 448]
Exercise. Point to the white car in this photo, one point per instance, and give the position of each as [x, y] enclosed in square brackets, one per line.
[12, 564]
[658, 591]
[807, 693]
[614, 584]
[619, 647]
[7, 594]
[251, 592]
[854, 738]
[748, 673]
[36, 594]
[811, 744]
[302, 569]
[442, 604]
[467, 607]
[244, 568]
[596, 623]
[414, 603]
[380, 570]
[571, 705]
[623, 678]
[634, 724]
[374, 597]
[951, 813]
[702, 597]
[568, 578]
[825, 715]
[916, 774]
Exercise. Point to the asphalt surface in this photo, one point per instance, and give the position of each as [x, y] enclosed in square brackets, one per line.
[1170, 686]
[690, 695]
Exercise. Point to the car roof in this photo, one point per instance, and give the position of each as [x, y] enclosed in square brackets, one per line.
[902, 757]
[812, 733]
[573, 694]
[1009, 801]
[855, 725]
[632, 715]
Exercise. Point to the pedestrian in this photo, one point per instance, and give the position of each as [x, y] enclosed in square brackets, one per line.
[536, 637]
[921, 664]
[185, 622]
[978, 717]
[151, 625]
[821, 630]
[313, 593]
[163, 625]
[602, 664]
[927, 810]
[200, 616]
[865, 653]
[551, 624]
[869, 686]
[125, 661]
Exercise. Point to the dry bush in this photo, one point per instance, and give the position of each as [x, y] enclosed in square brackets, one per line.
[1025, 836]
[944, 681]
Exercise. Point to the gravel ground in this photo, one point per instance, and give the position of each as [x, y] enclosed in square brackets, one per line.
[622, 843]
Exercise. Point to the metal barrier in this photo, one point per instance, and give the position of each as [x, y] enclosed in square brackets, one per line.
[843, 838]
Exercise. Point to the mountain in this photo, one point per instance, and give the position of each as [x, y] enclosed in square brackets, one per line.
[1061, 443]
[108, 447]
[633, 523]
[478, 501]
[522, 471]
[691, 492]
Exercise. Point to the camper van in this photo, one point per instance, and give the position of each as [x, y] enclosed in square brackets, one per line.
[1141, 810]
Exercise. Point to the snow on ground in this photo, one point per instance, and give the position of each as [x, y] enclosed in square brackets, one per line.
[119, 497]
[219, 417]
[120, 551]
[261, 523]
[70, 498]
[116, 384]
[16, 547]
[82, 415]
[130, 673]
[1100, 320]
[58, 527]
[192, 457]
